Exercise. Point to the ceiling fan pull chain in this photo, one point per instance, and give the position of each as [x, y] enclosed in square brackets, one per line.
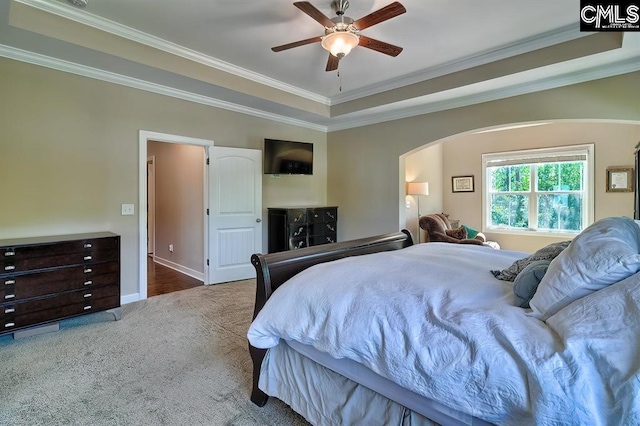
[339, 81]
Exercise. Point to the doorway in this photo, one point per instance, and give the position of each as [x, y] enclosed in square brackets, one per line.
[234, 175]
[175, 216]
[143, 139]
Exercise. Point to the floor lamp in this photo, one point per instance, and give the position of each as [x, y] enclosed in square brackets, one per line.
[417, 189]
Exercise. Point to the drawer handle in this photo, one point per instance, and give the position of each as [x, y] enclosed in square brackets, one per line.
[88, 270]
[87, 308]
[9, 282]
[88, 282]
[9, 268]
[87, 258]
[87, 245]
[88, 295]
[9, 253]
[9, 310]
[10, 296]
[9, 324]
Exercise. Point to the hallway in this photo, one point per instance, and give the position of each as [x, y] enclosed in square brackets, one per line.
[162, 280]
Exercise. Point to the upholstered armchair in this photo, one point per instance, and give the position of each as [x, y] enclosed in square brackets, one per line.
[438, 229]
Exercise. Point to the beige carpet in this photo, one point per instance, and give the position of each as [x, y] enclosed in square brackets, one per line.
[175, 359]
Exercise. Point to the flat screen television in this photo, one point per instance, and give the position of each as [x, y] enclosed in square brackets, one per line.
[287, 157]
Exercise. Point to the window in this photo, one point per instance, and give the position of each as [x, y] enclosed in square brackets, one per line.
[546, 190]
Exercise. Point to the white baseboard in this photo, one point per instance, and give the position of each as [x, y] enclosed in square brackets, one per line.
[129, 298]
[177, 267]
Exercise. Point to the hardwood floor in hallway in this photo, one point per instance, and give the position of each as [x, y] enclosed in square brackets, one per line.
[162, 280]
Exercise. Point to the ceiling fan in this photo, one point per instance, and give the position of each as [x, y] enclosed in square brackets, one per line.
[341, 34]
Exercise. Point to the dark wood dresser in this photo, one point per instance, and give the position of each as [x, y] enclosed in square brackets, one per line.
[292, 228]
[46, 279]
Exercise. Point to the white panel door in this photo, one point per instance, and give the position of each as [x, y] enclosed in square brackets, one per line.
[235, 212]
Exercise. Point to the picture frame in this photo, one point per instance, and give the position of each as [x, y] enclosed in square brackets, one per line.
[462, 184]
[620, 179]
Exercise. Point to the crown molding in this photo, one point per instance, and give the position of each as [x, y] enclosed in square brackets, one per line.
[363, 118]
[530, 44]
[85, 71]
[625, 66]
[102, 24]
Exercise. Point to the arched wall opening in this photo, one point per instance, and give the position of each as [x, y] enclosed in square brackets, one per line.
[461, 155]
[366, 179]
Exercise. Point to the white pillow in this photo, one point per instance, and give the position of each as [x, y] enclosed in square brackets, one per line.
[604, 253]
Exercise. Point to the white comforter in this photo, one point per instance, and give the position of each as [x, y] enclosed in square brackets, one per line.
[433, 319]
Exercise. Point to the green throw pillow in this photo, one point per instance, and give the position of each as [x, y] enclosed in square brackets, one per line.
[471, 233]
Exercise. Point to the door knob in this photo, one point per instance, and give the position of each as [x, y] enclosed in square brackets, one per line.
[258, 220]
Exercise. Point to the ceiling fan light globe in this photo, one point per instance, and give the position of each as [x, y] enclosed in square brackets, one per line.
[340, 43]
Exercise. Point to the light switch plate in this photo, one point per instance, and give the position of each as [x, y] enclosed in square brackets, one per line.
[128, 209]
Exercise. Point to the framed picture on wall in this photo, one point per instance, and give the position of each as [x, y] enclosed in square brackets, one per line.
[620, 179]
[462, 184]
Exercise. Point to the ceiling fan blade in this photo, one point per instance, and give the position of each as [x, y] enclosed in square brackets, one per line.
[332, 63]
[379, 46]
[296, 44]
[311, 10]
[390, 11]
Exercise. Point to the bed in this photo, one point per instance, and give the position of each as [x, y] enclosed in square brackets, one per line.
[384, 331]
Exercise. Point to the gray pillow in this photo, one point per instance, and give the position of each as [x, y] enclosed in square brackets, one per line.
[526, 283]
[545, 253]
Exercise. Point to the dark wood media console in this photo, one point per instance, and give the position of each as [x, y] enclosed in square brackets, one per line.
[46, 279]
[293, 228]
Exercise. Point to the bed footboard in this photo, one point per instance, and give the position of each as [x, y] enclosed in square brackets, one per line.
[272, 270]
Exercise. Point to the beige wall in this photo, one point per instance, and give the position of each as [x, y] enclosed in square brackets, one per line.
[69, 154]
[364, 176]
[69, 151]
[614, 146]
[179, 204]
[426, 165]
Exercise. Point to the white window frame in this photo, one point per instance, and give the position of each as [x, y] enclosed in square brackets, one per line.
[530, 156]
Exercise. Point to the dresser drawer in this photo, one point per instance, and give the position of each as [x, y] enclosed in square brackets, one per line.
[298, 243]
[87, 296]
[8, 325]
[330, 238]
[295, 216]
[322, 239]
[18, 253]
[15, 265]
[297, 231]
[330, 214]
[330, 228]
[37, 284]
[316, 215]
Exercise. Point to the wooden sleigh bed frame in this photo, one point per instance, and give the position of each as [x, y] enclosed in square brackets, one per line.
[272, 270]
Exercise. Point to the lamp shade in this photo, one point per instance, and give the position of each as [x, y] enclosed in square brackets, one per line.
[340, 43]
[417, 188]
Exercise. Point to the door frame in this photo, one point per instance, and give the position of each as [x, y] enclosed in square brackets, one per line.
[151, 208]
[144, 137]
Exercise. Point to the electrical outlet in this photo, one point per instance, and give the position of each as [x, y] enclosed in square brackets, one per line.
[171, 248]
[128, 209]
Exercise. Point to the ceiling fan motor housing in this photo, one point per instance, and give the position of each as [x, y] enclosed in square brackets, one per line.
[340, 6]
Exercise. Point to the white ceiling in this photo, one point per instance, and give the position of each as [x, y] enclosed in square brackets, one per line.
[438, 37]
